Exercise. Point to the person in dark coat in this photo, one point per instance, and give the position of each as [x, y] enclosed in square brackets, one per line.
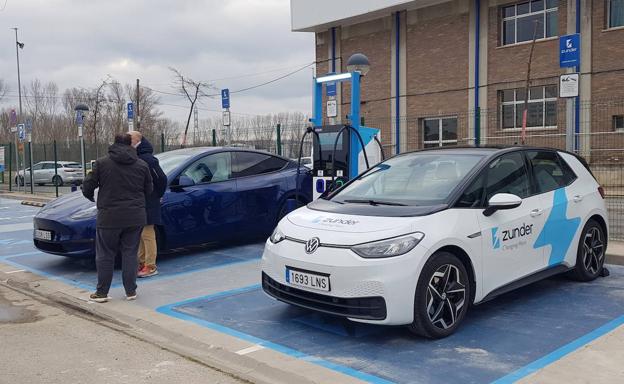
[148, 248]
[124, 181]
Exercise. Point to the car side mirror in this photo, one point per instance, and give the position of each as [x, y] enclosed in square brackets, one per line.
[502, 201]
[183, 182]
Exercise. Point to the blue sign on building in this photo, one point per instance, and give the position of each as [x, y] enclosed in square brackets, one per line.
[225, 98]
[330, 88]
[130, 111]
[570, 51]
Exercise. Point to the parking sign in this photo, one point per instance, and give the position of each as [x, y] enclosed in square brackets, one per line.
[570, 50]
[225, 98]
[130, 111]
[21, 132]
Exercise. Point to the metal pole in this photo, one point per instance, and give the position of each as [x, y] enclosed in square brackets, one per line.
[56, 169]
[138, 115]
[82, 151]
[17, 163]
[10, 166]
[19, 93]
[279, 139]
[30, 152]
[162, 142]
[214, 137]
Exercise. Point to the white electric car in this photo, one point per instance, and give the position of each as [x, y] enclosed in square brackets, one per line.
[420, 237]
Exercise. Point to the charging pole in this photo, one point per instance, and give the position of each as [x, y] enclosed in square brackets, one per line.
[225, 104]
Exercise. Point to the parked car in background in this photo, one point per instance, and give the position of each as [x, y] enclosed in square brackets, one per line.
[213, 195]
[305, 161]
[43, 173]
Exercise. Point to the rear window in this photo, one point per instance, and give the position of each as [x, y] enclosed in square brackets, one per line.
[549, 171]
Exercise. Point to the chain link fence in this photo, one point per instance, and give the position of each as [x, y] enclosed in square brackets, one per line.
[599, 138]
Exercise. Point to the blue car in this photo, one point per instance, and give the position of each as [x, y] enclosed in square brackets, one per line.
[214, 195]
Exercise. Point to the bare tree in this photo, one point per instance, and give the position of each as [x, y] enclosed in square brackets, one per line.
[4, 88]
[193, 91]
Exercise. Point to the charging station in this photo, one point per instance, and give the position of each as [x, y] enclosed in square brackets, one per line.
[341, 152]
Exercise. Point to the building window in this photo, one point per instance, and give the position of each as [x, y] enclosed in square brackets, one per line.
[541, 108]
[519, 21]
[439, 132]
[618, 123]
[615, 10]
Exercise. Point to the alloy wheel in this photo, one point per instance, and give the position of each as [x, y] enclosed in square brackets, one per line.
[446, 296]
[593, 250]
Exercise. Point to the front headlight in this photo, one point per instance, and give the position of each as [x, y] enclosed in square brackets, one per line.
[85, 213]
[389, 248]
[277, 236]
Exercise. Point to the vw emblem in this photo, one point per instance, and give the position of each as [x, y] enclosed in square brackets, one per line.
[312, 245]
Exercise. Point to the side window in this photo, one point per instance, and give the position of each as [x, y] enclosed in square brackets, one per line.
[37, 167]
[507, 174]
[250, 163]
[48, 166]
[472, 196]
[549, 173]
[210, 169]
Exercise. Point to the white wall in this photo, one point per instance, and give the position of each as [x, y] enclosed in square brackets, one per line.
[315, 15]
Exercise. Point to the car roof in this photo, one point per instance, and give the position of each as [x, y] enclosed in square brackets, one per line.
[488, 150]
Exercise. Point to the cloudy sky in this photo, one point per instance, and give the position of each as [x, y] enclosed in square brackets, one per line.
[231, 43]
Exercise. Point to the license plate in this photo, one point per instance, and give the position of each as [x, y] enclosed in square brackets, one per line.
[43, 235]
[307, 279]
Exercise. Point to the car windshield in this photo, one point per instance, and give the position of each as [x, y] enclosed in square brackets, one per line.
[171, 160]
[425, 178]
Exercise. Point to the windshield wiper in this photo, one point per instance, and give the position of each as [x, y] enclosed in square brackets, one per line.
[375, 202]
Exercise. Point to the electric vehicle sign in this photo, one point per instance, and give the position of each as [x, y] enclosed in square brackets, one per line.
[570, 50]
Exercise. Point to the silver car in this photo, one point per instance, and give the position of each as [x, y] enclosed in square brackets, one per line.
[43, 173]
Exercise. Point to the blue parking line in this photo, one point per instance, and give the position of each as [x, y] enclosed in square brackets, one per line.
[560, 353]
[49, 275]
[21, 254]
[169, 310]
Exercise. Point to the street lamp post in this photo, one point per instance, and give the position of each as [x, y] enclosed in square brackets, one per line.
[80, 112]
[19, 46]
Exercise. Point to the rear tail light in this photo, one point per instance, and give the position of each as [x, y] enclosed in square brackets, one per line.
[601, 191]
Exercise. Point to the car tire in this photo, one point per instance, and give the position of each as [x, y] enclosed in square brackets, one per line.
[442, 296]
[590, 256]
[57, 181]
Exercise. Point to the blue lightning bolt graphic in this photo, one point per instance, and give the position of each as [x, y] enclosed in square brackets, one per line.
[558, 230]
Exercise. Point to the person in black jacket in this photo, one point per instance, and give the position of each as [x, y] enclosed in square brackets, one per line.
[123, 181]
[148, 248]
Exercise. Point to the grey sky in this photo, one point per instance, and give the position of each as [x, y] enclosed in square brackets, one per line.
[78, 42]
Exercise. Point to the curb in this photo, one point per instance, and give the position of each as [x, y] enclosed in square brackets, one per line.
[33, 203]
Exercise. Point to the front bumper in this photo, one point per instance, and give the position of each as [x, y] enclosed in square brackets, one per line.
[365, 308]
[361, 289]
[71, 241]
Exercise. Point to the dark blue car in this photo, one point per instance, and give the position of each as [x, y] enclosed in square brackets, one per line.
[214, 195]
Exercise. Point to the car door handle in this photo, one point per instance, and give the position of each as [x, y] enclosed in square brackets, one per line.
[577, 198]
[536, 212]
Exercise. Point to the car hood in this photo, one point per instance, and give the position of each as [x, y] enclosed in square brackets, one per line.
[334, 228]
[65, 206]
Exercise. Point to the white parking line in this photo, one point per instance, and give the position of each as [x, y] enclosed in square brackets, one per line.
[15, 227]
[16, 271]
[249, 350]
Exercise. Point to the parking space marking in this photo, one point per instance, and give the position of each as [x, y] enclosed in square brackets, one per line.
[15, 227]
[253, 348]
[478, 345]
[15, 271]
[50, 276]
[561, 352]
[170, 311]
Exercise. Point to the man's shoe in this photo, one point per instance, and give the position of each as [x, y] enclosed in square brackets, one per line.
[148, 271]
[141, 266]
[131, 296]
[99, 297]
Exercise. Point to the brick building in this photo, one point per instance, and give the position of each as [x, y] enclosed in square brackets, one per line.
[441, 68]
